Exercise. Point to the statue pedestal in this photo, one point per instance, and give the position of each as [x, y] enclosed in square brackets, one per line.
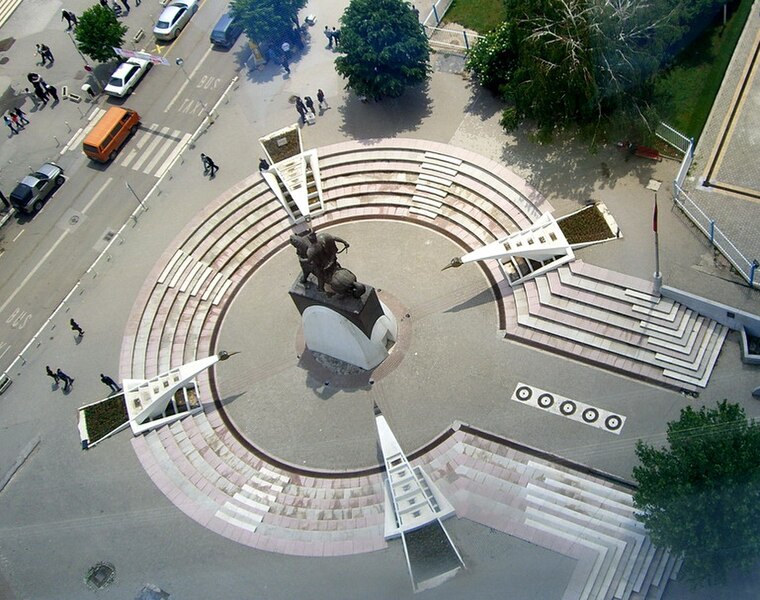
[354, 330]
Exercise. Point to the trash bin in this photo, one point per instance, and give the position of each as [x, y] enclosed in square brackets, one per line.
[87, 89]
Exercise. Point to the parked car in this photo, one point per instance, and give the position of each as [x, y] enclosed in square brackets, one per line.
[173, 18]
[32, 191]
[226, 31]
[126, 76]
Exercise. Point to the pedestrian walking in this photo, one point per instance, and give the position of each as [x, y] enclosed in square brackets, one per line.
[336, 36]
[110, 383]
[126, 5]
[321, 100]
[329, 36]
[301, 108]
[67, 381]
[53, 91]
[263, 164]
[10, 124]
[21, 115]
[75, 327]
[70, 17]
[40, 93]
[14, 117]
[286, 64]
[310, 105]
[42, 54]
[50, 373]
[45, 53]
[209, 166]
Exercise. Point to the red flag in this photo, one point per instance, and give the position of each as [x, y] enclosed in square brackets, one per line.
[654, 218]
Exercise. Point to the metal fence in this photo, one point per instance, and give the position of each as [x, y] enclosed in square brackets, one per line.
[437, 10]
[450, 40]
[697, 216]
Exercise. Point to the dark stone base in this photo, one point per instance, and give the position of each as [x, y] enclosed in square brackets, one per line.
[362, 312]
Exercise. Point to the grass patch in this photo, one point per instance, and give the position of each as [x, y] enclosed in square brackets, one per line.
[480, 15]
[684, 94]
[102, 418]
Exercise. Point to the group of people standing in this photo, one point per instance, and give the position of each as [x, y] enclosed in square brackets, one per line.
[305, 107]
[333, 36]
[42, 90]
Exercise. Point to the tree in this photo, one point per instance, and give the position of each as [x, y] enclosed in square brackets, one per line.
[99, 32]
[701, 496]
[267, 21]
[383, 48]
[562, 62]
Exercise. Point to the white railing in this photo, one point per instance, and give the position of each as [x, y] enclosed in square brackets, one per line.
[437, 10]
[450, 40]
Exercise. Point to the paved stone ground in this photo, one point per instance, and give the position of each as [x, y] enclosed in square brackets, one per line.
[733, 164]
[100, 505]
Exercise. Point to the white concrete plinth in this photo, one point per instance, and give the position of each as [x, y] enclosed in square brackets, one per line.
[330, 333]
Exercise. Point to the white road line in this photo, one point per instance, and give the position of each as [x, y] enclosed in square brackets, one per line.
[97, 194]
[140, 143]
[19, 234]
[192, 73]
[68, 144]
[152, 146]
[82, 133]
[177, 95]
[4, 351]
[160, 154]
[178, 148]
[33, 271]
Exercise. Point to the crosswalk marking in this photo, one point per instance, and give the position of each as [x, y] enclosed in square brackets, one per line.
[151, 147]
[170, 141]
[153, 151]
[143, 139]
[177, 149]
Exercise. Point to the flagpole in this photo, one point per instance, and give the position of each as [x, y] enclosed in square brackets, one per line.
[657, 274]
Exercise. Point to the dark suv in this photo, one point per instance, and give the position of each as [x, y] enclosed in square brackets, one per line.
[30, 193]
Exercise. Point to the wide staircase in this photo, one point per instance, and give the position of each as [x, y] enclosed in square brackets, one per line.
[584, 515]
[591, 314]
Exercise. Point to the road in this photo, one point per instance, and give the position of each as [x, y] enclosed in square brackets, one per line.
[43, 256]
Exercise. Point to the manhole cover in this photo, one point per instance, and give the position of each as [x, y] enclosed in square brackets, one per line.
[6, 44]
[74, 220]
[100, 576]
[4, 60]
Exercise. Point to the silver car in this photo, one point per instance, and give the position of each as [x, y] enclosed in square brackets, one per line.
[173, 18]
[30, 193]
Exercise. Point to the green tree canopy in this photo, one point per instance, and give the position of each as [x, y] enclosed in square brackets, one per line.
[560, 62]
[383, 48]
[267, 20]
[701, 496]
[98, 33]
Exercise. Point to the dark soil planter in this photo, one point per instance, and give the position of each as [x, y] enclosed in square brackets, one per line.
[588, 225]
[104, 417]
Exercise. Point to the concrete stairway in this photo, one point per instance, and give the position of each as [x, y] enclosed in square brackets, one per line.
[581, 515]
[614, 321]
[242, 494]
